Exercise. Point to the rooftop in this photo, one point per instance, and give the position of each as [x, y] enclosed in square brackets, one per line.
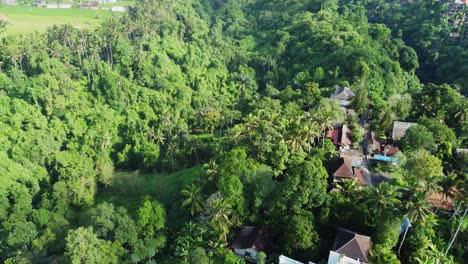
[251, 237]
[399, 129]
[352, 245]
[342, 93]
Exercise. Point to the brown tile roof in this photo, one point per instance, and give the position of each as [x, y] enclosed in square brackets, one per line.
[439, 200]
[334, 135]
[390, 150]
[252, 237]
[352, 245]
[360, 177]
[371, 141]
[345, 136]
[340, 136]
[344, 169]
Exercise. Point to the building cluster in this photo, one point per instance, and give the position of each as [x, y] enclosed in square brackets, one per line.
[457, 14]
[8, 2]
[349, 247]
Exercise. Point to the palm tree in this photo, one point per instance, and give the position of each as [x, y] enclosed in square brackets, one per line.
[384, 197]
[447, 183]
[220, 221]
[418, 209]
[172, 149]
[348, 186]
[454, 236]
[295, 143]
[431, 185]
[462, 115]
[159, 137]
[434, 256]
[310, 131]
[463, 197]
[194, 146]
[194, 198]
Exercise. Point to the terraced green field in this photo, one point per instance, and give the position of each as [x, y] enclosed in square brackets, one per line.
[26, 19]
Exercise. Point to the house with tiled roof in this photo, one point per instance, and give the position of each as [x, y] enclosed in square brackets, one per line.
[250, 240]
[439, 200]
[349, 248]
[372, 143]
[343, 95]
[399, 129]
[340, 136]
[343, 169]
[390, 150]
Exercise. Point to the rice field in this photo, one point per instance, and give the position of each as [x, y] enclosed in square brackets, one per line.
[26, 19]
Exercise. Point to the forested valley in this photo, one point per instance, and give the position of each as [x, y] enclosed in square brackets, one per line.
[156, 137]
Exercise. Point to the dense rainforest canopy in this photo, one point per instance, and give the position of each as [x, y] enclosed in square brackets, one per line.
[231, 98]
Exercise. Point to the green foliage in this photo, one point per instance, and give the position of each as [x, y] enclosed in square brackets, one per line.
[83, 246]
[194, 198]
[300, 236]
[151, 217]
[305, 187]
[422, 165]
[80, 109]
[417, 137]
[198, 256]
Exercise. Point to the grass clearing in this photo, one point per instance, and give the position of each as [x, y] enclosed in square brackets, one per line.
[119, 3]
[129, 188]
[26, 19]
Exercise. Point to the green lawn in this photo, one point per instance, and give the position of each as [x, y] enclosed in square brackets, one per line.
[26, 19]
[120, 3]
[129, 188]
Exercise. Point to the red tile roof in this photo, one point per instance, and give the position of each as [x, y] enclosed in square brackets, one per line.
[334, 135]
[340, 136]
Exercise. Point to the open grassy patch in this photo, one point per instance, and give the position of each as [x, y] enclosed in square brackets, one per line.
[129, 188]
[26, 19]
[119, 3]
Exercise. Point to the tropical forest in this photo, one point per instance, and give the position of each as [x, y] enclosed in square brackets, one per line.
[238, 131]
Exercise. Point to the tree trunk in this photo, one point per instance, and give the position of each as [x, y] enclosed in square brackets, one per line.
[404, 236]
[456, 211]
[456, 232]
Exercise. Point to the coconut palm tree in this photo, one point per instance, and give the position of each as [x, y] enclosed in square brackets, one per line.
[434, 256]
[384, 197]
[310, 131]
[220, 221]
[418, 209]
[194, 198]
[348, 186]
[454, 236]
[446, 184]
